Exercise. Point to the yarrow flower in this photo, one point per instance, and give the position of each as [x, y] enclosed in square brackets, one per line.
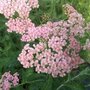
[57, 52]
[19, 25]
[9, 80]
[36, 32]
[23, 7]
[55, 49]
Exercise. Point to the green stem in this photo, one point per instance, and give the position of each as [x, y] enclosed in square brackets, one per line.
[80, 74]
[53, 11]
[67, 82]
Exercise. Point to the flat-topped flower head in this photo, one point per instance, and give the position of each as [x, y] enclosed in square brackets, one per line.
[54, 49]
[23, 7]
[9, 80]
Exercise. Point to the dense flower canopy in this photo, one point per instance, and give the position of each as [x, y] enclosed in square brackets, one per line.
[23, 7]
[50, 48]
[55, 50]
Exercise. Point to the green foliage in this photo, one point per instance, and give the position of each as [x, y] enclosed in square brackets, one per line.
[11, 46]
[85, 54]
[76, 82]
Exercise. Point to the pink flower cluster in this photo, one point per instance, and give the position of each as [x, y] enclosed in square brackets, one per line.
[19, 25]
[76, 20]
[9, 80]
[23, 7]
[57, 63]
[29, 31]
[36, 32]
[55, 50]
